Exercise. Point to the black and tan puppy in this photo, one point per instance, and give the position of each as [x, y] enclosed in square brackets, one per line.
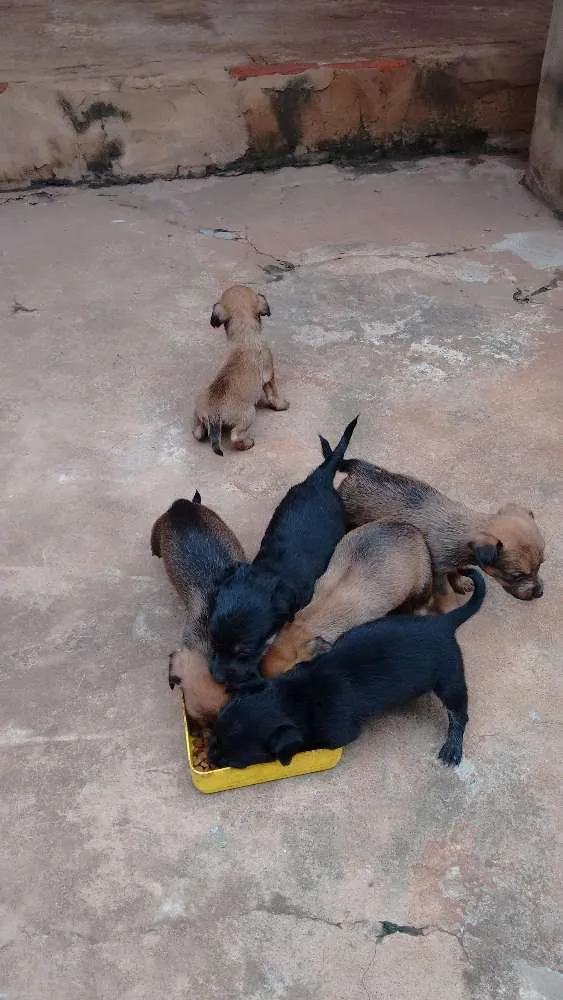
[507, 545]
[375, 569]
[197, 549]
[324, 703]
[255, 600]
[245, 379]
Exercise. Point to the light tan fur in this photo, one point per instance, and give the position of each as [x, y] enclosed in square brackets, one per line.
[374, 570]
[204, 698]
[507, 545]
[247, 376]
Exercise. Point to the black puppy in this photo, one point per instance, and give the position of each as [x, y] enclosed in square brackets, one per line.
[323, 703]
[254, 601]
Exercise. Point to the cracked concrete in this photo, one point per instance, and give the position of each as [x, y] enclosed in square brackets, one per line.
[391, 293]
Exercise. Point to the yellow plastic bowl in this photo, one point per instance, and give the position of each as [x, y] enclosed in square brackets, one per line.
[222, 778]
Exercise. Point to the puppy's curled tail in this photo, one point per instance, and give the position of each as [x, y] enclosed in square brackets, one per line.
[333, 460]
[214, 431]
[471, 607]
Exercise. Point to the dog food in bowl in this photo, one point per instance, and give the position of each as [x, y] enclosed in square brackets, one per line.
[207, 779]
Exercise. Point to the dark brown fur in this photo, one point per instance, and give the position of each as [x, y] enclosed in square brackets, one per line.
[507, 545]
[197, 549]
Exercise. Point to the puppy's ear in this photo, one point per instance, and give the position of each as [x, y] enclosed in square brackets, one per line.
[196, 497]
[486, 549]
[317, 646]
[327, 450]
[219, 315]
[263, 306]
[285, 742]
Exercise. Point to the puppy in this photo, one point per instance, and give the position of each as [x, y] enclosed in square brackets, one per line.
[374, 570]
[255, 601]
[324, 704]
[204, 698]
[197, 549]
[246, 377]
[507, 545]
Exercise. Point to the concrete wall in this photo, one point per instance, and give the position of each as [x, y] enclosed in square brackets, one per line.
[545, 171]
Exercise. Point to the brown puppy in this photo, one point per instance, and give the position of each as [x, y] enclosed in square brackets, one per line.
[247, 376]
[507, 545]
[203, 696]
[197, 549]
[375, 569]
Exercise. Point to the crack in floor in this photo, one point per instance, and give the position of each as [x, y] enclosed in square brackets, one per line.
[521, 296]
[279, 906]
[280, 266]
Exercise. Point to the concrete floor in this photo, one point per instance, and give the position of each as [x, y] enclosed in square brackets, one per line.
[391, 294]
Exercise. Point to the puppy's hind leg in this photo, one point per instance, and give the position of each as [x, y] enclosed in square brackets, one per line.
[199, 428]
[239, 439]
[443, 599]
[274, 401]
[452, 692]
[460, 584]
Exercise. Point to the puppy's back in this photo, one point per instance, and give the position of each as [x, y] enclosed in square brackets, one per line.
[196, 545]
[412, 644]
[370, 493]
[380, 664]
[375, 569]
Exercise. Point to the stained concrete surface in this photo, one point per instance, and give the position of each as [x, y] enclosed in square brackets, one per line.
[159, 88]
[75, 37]
[392, 295]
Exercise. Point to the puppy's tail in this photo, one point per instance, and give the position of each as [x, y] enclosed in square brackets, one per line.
[214, 431]
[333, 460]
[471, 607]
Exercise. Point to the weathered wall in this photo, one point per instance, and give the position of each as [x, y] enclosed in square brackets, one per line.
[104, 92]
[545, 172]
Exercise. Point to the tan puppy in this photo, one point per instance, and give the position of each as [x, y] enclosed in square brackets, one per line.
[245, 379]
[507, 545]
[197, 549]
[203, 696]
[375, 569]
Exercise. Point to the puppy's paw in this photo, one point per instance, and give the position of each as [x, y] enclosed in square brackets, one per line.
[282, 404]
[243, 445]
[461, 584]
[451, 753]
